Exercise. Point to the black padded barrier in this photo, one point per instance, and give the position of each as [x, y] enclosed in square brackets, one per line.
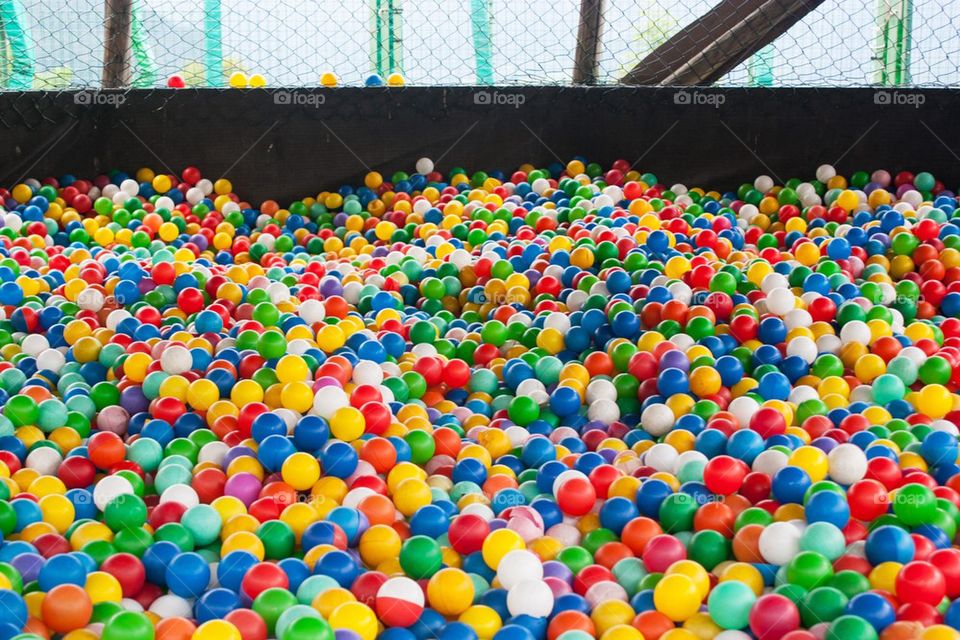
[291, 143]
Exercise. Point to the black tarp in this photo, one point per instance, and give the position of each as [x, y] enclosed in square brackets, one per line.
[287, 144]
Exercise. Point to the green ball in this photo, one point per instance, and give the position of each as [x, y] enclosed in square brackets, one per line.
[291, 615]
[729, 604]
[914, 504]
[124, 512]
[22, 411]
[278, 539]
[308, 628]
[677, 513]
[823, 604]
[422, 446]
[851, 627]
[887, 388]
[849, 582]
[809, 570]
[128, 625]
[935, 370]
[576, 558]
[272, 344]
[270, 605]
[709, 548]
[523, 410]
[823, 538]
[420, 557]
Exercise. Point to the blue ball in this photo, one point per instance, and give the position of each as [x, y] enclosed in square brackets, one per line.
[889, 543]
[790, 484]
[233, 567]
[616, 512]
[828, 506]
[188, 575]
[311, 433]
[215, 604]
[13, 610]
[429, 520]
[457, 631]
[338, 565]
[876, 609]
[62, 569]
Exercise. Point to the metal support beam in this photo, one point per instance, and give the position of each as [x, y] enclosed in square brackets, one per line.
[116, 43]
[709, 47]
[587, 60]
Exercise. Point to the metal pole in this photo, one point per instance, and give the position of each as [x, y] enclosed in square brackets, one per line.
[586, 59]
[116, 43]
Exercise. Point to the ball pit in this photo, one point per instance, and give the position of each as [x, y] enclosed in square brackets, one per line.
[561, 404]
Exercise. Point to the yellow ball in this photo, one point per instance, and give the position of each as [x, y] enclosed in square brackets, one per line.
[611, 613]
[347, 424]
[677, 597]
[356, 617]
[395, 80]
[103, 587]
[450, 591]
[216, 630]
[292, 368]
[935, 401]
[328, 79]
[411, 495]
[300, 471]
[328, 601]
[257, 81]
[378, 544]
[238, 80]
[498, 544]
[483, 620]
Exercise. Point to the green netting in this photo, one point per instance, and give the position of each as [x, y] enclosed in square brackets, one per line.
[58, 44]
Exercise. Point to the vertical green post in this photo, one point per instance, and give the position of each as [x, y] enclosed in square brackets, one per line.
[761, 67]
[20, 46]
[482, 40]
[146, 73]
[894, 41]
[387, 52]
[213, 45]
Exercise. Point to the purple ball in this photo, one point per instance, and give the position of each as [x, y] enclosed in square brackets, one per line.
[243, 486]
[675, 359]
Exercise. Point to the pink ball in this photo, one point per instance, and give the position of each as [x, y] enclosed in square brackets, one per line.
[662, 551]
[773, 616]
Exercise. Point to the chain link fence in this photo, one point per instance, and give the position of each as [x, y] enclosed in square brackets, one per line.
[59, 44]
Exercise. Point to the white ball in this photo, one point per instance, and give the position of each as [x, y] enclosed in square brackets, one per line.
[176, 359]
[402, 588]
[601, 390]
[780, 301]
[774, 281]
[769, 462]
[517, 566]
[44, 460]
[763, 184]
[804, 347]
[34, 344]
[109, 488]
[367, 372]
[213, 452]
[855, 331]
[328, 399]
[847, 463]
[530, 597]
[312, 311]
[51, 360]
[779, 543]
[825, 172]
[743, 409]
[661, 457]
[605, 411]
[657, 420]
[424, 166]
[171, 606]
[182, 493]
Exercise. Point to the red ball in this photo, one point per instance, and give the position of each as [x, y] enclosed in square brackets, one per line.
[867, 499]
[773, 616]
[920, 581]
[662, 551]
[128, 570]
[724, 475]
[576, 496]
[948, 562]
[249, 623]
[77, 472]
[365, 587]
[176, 81]
[261, 577]
[768, 422]
[467, 533]
[105, 449]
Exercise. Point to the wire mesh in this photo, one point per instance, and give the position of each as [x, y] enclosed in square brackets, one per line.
[59, 44]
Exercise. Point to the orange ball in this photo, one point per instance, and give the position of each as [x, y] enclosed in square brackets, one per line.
[902, 630]
[380, 453]
[638, 532]
[746, 543]
[611, 553]
[175, 629]
[570, 620]
[66, 607]
[599, 363]
[378, 509]
[714, 515]
[652, 624]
